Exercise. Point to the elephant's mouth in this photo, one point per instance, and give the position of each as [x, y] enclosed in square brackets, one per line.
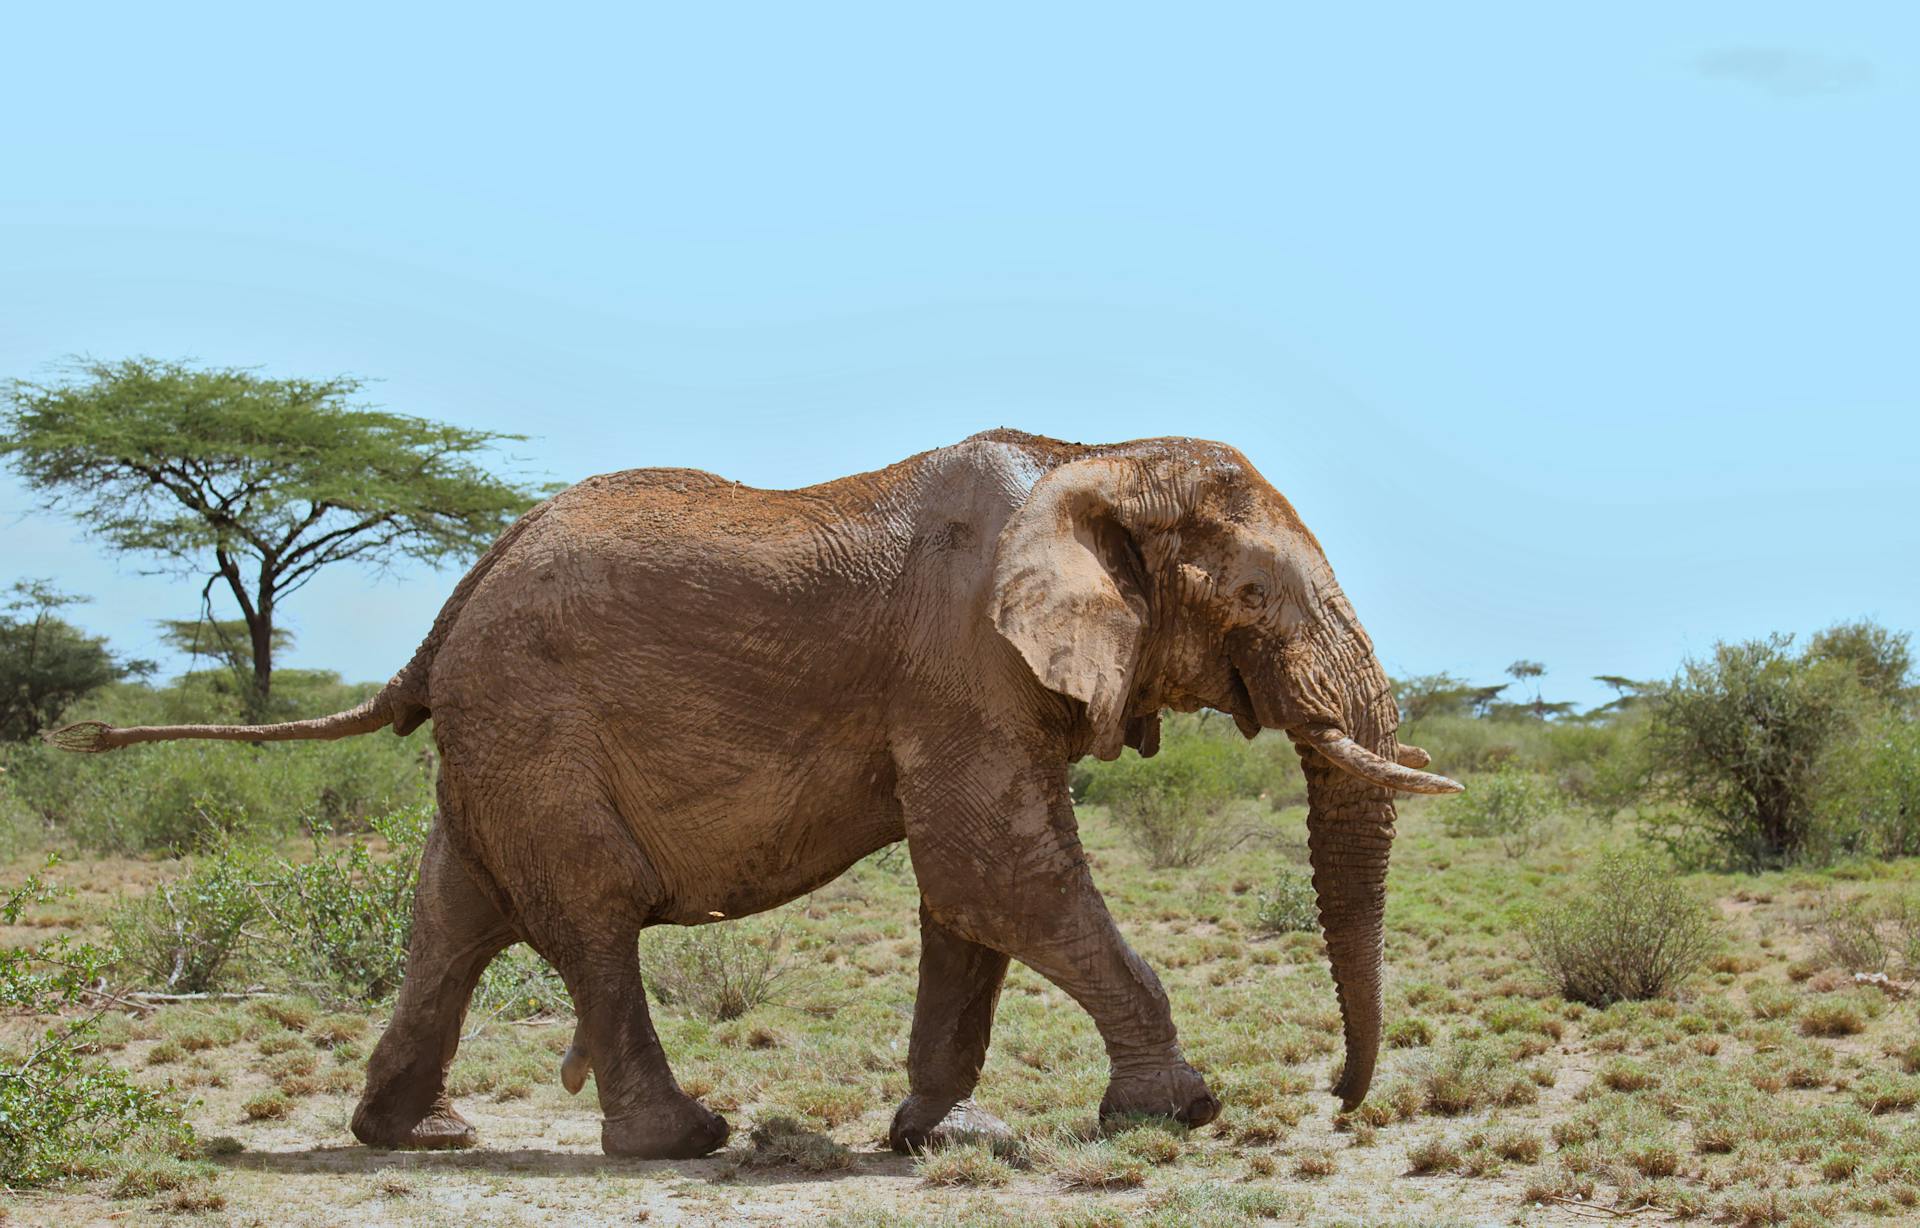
[1240, 703]
[1401, 774]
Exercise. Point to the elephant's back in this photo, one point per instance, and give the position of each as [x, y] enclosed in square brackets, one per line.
[660, 580]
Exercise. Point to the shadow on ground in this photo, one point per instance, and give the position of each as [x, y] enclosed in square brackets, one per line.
[536, 1162]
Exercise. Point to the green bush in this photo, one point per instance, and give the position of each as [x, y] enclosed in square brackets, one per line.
[1738, 741]
[182, 936]
[1182, 806]
[176, 797]
[1290, 907]
[62, 1111]
[334, 924]
[716, 971]
[518, 984]
[346, 913]
[1513, 805]
[1461, 743]
[1602, 763]
[1628, 933]
[181, 796]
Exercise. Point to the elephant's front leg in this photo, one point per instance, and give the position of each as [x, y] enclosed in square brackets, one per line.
[952, 1021]
[999, 861]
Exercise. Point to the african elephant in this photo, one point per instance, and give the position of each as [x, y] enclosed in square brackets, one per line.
[666, 698]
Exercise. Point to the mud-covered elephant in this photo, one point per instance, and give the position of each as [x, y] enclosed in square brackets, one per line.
[663, 697]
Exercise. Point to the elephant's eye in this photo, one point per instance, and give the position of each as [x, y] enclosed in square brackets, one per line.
[1253, 595]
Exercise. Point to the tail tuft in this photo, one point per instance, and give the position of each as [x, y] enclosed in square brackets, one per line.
[86, 737]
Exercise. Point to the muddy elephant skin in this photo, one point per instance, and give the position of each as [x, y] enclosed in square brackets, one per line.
[666, 698]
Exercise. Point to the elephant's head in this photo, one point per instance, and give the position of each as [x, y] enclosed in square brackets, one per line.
[1169, 573]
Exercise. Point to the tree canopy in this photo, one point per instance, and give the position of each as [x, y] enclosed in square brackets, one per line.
[253, 482]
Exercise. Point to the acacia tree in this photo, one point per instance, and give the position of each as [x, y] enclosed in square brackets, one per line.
[256, 483]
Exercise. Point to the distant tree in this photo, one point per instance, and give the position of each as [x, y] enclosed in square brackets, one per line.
[46, 663]
[1428, 695]
[1425, 695]
[1482, 700]
[1523, 672]
[1627, 693]
[255, 483]
[225, 641]
[1535, 709]
[1880, 658]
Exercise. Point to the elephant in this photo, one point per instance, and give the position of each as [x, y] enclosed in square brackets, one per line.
[663, 697]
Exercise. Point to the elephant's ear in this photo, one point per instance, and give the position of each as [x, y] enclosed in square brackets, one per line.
[1068, 586]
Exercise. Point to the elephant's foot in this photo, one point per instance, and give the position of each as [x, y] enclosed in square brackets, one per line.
[925, 1123]
[441, 1129]
[1176, 1091]
[681, 1130]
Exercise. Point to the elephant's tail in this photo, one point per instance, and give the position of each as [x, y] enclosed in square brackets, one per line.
[403, 703]
[91, 736]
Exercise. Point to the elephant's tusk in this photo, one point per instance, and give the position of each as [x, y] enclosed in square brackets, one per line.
[1412, 756]
[1356, 760]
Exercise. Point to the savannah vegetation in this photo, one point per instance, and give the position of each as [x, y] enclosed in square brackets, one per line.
[1655, 961]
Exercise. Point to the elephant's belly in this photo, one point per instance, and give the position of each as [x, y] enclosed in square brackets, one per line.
[769, 838]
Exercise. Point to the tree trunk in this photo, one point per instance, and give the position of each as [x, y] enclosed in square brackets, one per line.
[260, 630]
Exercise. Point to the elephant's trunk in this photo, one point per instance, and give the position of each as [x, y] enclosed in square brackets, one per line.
[1349, 839]
[1331, 696]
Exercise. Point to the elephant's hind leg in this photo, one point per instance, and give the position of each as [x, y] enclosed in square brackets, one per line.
[456, 932]
[646, 1114]
[952, 1023]
[583, 892]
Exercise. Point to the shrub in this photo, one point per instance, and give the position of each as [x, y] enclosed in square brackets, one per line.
[1518, 1145]
[1178, 808]
[718, 971]
[1290, 907]
[518, 984]
[1512, 805]
[1632, 933]
[1314, 1164]
[1432, 1155]
[1737, 740]
[182, 935]
[1832, 1018]
[347, 913]
[1850, 935]
[177, 797]
[60, 1110]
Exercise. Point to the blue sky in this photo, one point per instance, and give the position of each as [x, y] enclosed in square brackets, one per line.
[1582, 336]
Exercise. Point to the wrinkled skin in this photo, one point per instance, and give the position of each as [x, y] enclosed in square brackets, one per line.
[663, 698]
